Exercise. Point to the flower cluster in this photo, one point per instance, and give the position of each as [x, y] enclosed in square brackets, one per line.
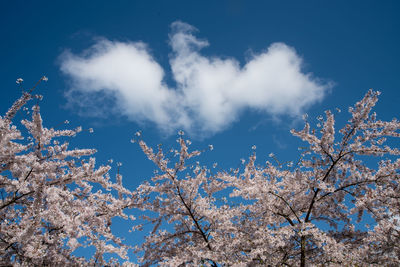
[272, 215]
[306, 212]
[54, 199]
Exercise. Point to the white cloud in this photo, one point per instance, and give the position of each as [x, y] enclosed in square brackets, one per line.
[210, 92]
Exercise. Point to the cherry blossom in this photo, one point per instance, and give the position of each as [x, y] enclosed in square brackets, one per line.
[307, 213]
[54, 199]
[336, 204]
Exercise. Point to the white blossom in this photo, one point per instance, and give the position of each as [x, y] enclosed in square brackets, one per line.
[56, 200]
[49, 206]
[269, 215]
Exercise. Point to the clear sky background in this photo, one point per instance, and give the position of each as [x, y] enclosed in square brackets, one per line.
[230, 73]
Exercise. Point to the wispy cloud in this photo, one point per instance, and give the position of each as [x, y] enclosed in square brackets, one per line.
[210, 92]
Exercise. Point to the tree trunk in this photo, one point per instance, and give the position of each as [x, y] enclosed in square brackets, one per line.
[303, 251]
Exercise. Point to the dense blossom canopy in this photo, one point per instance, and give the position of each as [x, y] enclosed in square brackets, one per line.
[53, 199]
[299, 213]
[312, 211]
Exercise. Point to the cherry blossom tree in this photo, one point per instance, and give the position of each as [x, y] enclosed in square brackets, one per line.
[337, 205]
[311, 212]
[54, 200]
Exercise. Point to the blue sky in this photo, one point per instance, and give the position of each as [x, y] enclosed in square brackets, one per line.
[231, 73]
